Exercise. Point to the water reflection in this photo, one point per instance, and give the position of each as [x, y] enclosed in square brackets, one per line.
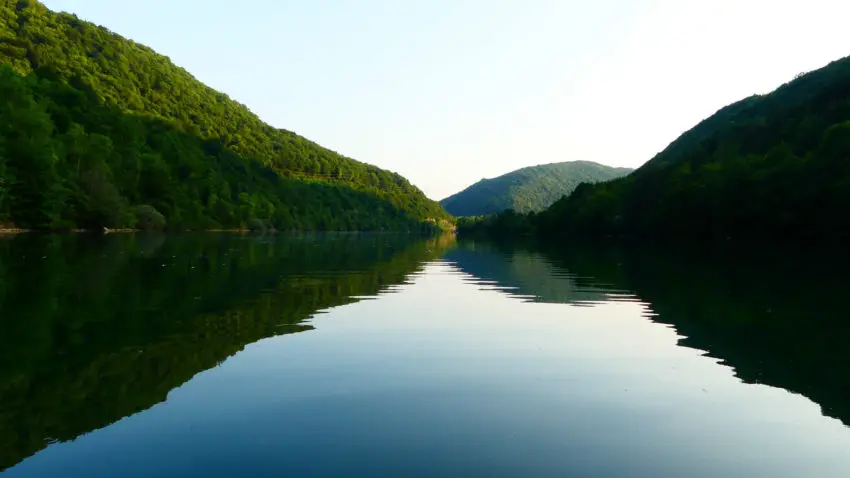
[530, 275]
[777, 316]
[93, 329]
[466, 363]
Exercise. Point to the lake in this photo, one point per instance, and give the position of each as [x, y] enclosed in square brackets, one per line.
[389, 355]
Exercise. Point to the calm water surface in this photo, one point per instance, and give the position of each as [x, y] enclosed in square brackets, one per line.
[380, 355]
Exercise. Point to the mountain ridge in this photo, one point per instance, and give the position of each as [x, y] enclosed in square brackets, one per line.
[527, 189]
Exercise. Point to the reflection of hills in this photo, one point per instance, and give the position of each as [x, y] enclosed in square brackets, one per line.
[778, 317]
[527, 274]
[95, 329]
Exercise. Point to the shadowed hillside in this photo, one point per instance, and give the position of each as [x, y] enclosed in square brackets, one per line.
[775, 165]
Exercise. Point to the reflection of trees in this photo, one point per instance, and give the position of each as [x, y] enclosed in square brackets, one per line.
[98, 328]
[524, 272]
[777, 316]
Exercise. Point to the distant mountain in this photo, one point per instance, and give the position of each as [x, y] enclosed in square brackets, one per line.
[528, 189]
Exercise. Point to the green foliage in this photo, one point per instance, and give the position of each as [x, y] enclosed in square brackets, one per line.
[256, 225]
[528, 189]
[774, 166]
[5, 183]
[507, 223]
[149, 219]
[95, 124]
[31, 180]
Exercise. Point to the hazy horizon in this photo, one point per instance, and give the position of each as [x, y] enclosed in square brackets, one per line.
[452, 92]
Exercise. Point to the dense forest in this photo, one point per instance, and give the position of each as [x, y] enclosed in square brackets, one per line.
[530, 189]
[774, 165]
[99, 131]
[100, 327]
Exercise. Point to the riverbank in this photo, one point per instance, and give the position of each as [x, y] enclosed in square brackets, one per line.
[10, 231]
[111, 231]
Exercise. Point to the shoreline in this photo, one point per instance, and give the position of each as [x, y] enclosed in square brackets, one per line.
[12, 231]
[108, 231]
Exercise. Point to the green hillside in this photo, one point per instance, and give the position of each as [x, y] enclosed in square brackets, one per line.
[528, 189]
[775, 165]
[96, 126]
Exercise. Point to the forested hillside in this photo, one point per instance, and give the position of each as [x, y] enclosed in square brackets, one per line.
[101, 131]
[775, 165]
[528, 189]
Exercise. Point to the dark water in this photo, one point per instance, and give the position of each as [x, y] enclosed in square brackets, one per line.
[380, 355]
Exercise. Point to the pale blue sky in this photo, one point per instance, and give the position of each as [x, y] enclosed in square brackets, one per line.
[447, 92]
